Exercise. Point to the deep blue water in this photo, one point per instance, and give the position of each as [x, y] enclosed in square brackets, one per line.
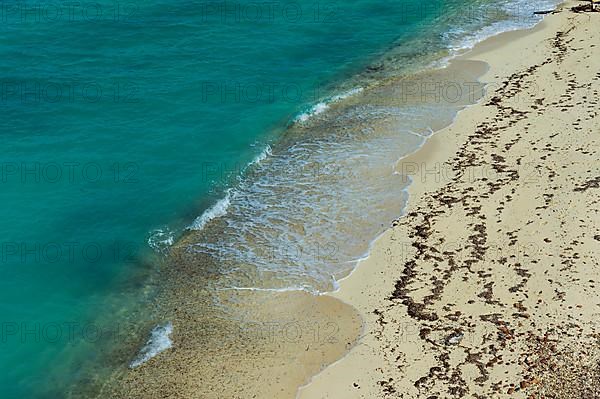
[121, 118]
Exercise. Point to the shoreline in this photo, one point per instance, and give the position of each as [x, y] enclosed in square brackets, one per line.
[424, 148]
[358, 285]
[418, 153]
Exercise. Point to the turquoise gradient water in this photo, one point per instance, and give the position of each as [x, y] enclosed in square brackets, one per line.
[123, 121]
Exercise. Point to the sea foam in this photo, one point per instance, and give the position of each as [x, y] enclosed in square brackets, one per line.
[217, 210]
[161, 240]
[158, 342]
[323, 106]
[262, 156]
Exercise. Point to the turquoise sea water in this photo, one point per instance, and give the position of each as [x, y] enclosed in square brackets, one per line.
[124, 121]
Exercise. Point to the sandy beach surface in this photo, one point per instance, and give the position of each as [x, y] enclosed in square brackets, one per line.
[488, 286]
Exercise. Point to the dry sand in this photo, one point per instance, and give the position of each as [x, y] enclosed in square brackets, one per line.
[488, 287]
